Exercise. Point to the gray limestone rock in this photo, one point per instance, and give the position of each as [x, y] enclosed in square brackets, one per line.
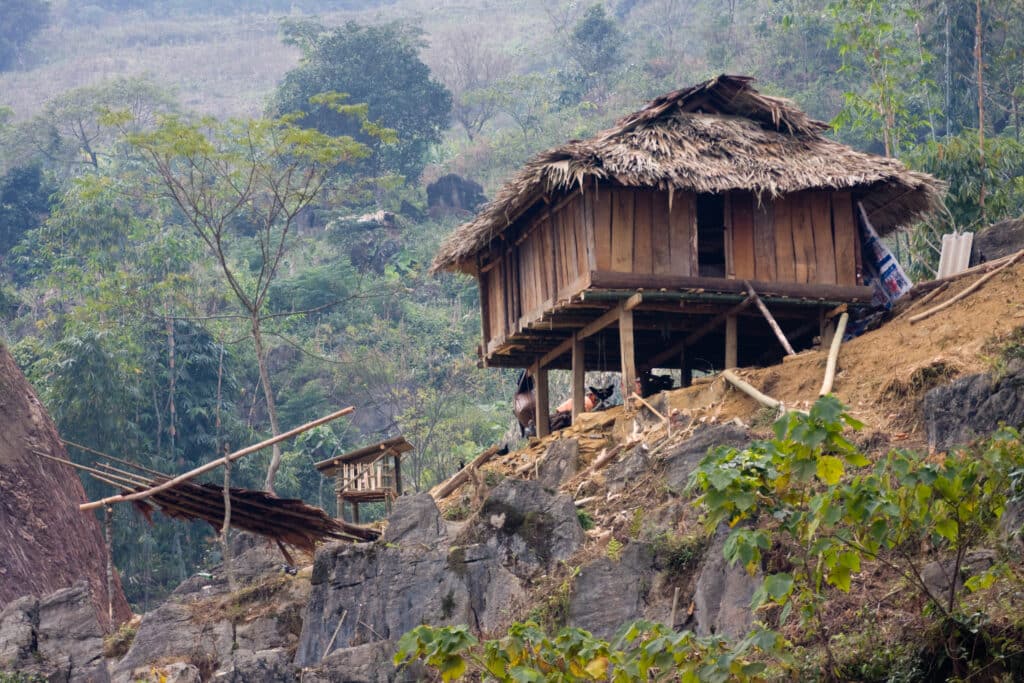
[415, 520]
[68, 627]
[723, 594]
[262, 665]
[18, 621]
[973, 406]
[608, 594]
[633, 465]
[682, 460]
[560, 463]
[938, 575]
[528, 527]
[368, 663]
[366, 593]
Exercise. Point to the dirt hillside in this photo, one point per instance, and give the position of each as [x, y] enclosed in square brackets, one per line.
[46, 543]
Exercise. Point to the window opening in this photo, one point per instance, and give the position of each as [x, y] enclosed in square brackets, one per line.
[711, 235]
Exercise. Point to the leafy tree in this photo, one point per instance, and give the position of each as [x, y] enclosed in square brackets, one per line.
[24, 203]
[20, 21]
[378, 65]
[469, 66]
[247, 176]
[595, 43]
[876, 36]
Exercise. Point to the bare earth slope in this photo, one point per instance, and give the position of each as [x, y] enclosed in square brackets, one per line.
[45, 542]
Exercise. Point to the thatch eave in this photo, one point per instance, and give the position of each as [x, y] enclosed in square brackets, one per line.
[752, 143]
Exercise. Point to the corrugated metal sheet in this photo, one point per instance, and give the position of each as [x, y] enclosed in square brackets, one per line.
[956, 253]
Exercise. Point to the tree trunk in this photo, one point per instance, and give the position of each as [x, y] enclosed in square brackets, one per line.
[268, 394]
[981, 107]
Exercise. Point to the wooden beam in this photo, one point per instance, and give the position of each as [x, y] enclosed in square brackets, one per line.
[645, 281]
[445, 489]
[697, 334]
[589, 330]
[770, 318]
[627, 351]
[833, 356]
[579, 373]
[731, 342]
[542, 410]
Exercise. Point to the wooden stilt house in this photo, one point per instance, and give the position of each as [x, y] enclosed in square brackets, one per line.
[646, 245]
[367, 475]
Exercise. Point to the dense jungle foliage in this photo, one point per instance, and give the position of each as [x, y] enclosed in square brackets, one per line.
[164, 323]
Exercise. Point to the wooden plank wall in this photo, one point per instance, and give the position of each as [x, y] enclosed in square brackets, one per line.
[809, 237]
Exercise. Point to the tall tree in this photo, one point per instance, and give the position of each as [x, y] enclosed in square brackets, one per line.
[378, 65]
[247, 177]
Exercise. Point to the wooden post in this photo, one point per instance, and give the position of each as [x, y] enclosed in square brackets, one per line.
[731, 349]
[627, 351]
[355, 512]
[685, 369]
[543, 408]
[579, 373]
[771, 320]
[826, 328]
[398, 474]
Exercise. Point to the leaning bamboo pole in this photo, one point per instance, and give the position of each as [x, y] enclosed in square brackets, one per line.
[967, 292]
[445, 489]
[833, 355]
[192, 474]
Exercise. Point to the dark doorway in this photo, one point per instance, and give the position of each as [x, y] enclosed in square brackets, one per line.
[711, 235]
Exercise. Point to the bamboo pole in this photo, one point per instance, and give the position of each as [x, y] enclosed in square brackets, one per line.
[967, 292]
[750, 391]
[649, 407]
[770, 318]
[170, 483]
[833, 355]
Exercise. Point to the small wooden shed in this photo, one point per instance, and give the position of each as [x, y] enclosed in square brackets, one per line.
[645, 245]
[368, 475]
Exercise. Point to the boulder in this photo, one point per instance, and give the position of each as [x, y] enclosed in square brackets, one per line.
[937, 576]
[415, 520]
[608, 593]
[973, 406]
[631, 467]
[998, 240]
[684, 458]
[560, 463]
[262, 665]
[722, 595]
[528, 527]
[453, 193]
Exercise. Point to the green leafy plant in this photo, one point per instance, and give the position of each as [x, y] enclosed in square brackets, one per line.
[645, 651]
[811, 489]
[614, 550]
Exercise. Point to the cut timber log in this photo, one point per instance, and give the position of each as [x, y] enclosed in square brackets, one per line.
[770, 318]
[967, 292]
[833, 355]
[445, 489]
[192, 474]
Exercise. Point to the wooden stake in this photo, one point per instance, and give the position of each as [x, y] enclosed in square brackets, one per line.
[649, 407]
[337, 628]
[192, 474]
[542, 410]
[675, 604]
[627, 352]
[771, 319]
[579, 374]
[967, 292]
[731, 343]
[833, 355]
[108, 515]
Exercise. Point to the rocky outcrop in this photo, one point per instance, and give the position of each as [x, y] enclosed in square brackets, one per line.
[721, 601]
[57, 637]
[973, 406]
[526, 526]
[609, 593]
[998, 240]
[560, 463]
[453, 193]
[365, 596]
[39, 508]
[244, 636]
[681, 461]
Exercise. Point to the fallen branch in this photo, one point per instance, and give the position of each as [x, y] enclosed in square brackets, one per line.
[649, 406]
[967, 292]
[192, 474]
[833, 355]
[445, 489]
[923, 287]
[763, 399]
[583, 501]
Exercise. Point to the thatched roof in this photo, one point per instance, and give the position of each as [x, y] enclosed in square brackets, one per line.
[713, 137]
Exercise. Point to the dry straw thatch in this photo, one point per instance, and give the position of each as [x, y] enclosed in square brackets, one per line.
[716, 136]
